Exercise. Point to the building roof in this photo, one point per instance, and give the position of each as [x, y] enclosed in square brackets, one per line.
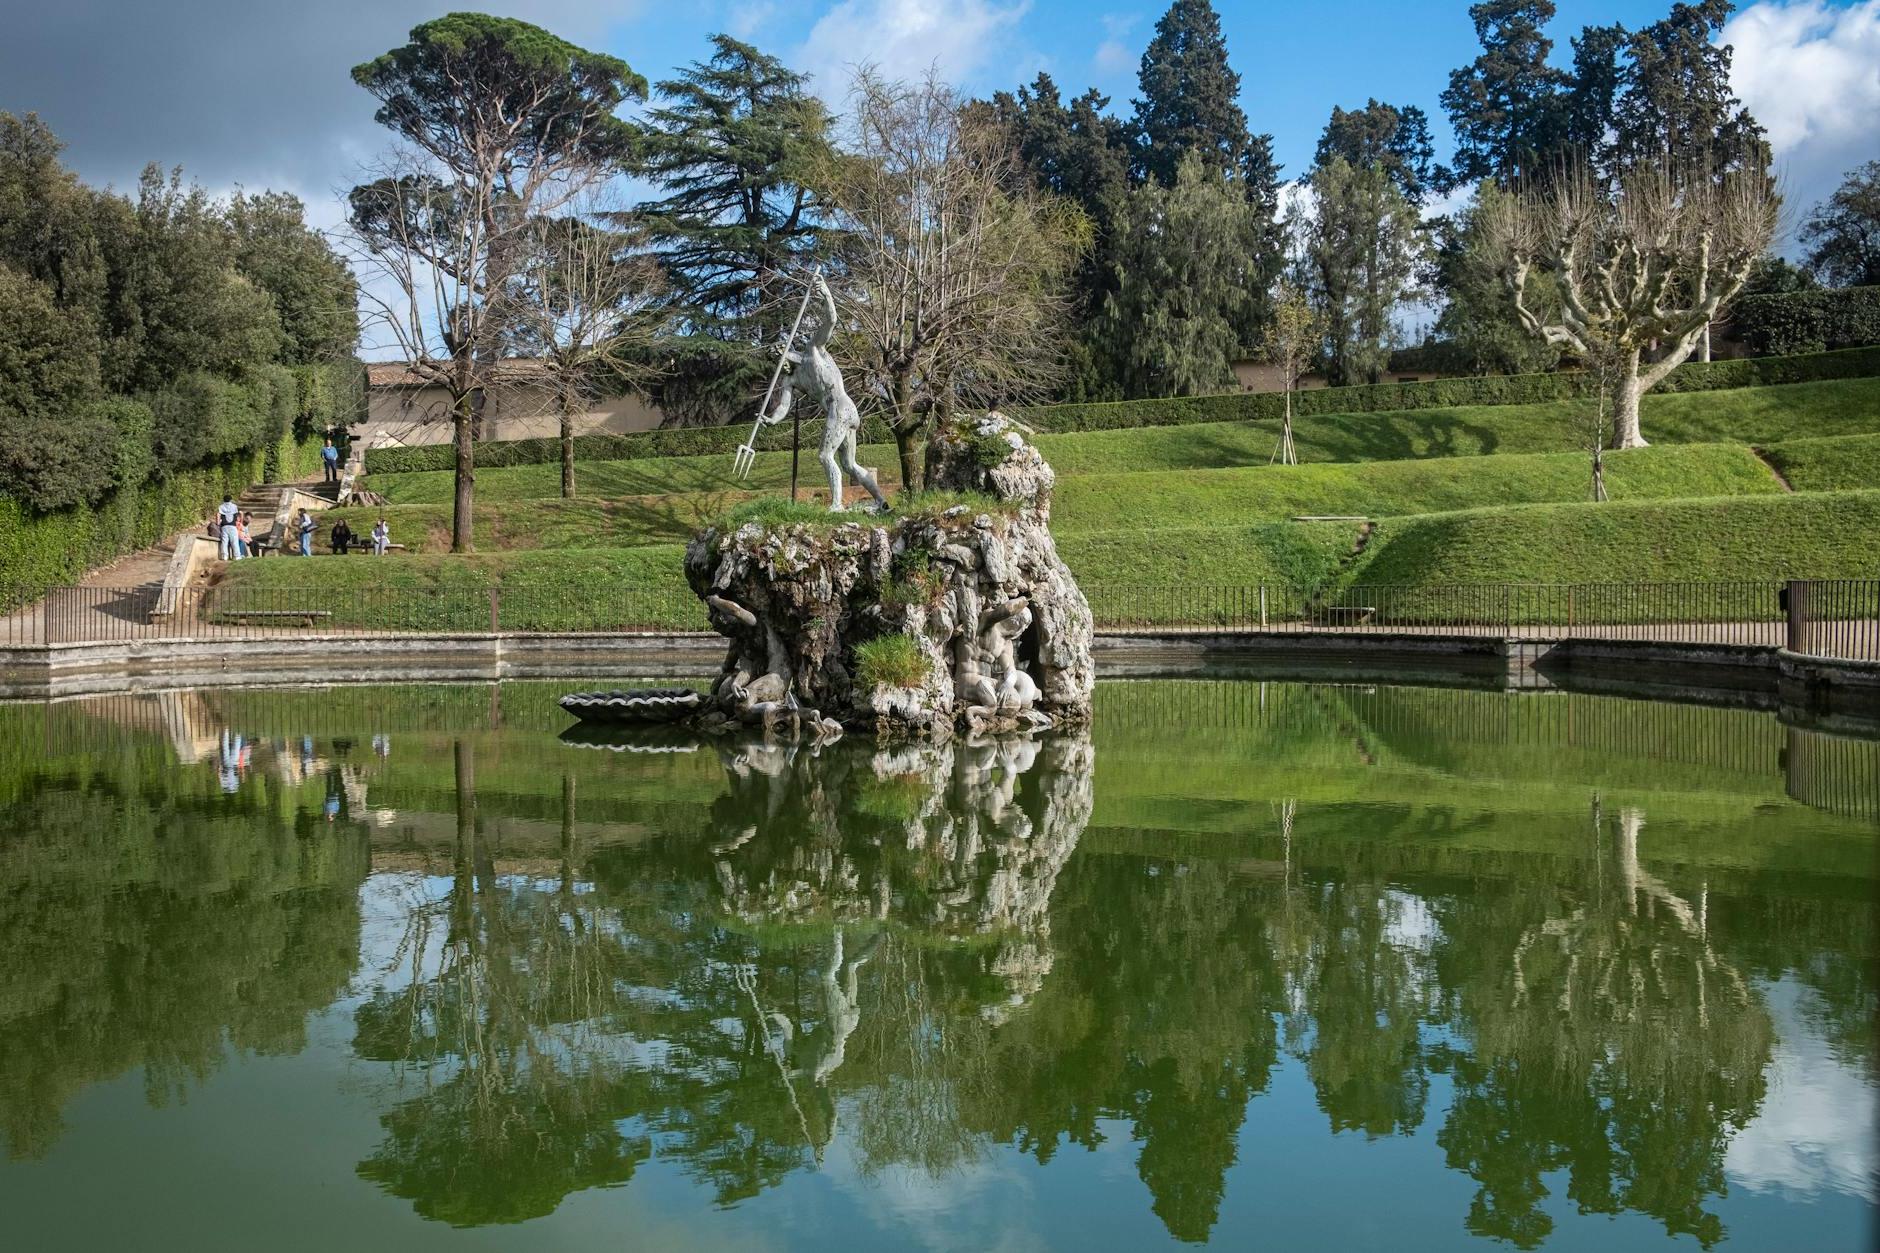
[400, 373]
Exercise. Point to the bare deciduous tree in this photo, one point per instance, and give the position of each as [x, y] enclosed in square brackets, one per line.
[1642, 270]
[956, 274]
[580, 304]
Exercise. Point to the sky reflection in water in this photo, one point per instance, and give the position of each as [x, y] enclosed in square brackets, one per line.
[1250, 963]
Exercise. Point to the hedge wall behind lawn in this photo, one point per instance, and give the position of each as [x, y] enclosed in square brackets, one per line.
[1173, 411]
[1808, 321]
[43, 550]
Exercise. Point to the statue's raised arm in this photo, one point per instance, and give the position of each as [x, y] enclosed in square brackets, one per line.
[825, 323]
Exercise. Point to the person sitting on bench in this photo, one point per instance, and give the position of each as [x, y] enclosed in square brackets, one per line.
[342, 537]
[381, 537]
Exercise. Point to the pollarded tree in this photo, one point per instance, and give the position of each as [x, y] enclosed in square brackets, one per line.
[1186, 266]
[957, 274]
[501, 123]
[1641, 271]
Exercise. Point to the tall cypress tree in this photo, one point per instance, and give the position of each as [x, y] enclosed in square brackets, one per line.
[1675, 102]
[731, 146]
[1505, 105]
[1190, 107]
[1384, 135]
[1191, 103]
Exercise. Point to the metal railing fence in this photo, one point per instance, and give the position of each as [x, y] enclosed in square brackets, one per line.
[1834, 618]
[1829, 618]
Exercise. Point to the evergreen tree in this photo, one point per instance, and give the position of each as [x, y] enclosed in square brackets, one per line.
[1587, 109]
[1078, 152]
[1184, 267]
[1675, 101]
[1505, 105]
[732, 146]
[1363, 244]
[1397, 140]
[1842, 234]
[1190, 107]
[1190, 103]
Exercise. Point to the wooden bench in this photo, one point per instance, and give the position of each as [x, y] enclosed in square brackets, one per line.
[1345, 615]
[303, 616]
[367, 547]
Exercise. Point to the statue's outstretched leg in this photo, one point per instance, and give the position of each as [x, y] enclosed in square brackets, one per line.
[828, 459]
[860, 473]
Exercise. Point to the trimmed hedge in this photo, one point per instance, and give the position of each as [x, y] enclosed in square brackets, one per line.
[1516, 389]
[43, 550]
[1172, 411]
[684, 441]
[1807, 321]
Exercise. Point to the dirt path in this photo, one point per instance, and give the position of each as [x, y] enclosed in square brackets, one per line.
[1780, 477]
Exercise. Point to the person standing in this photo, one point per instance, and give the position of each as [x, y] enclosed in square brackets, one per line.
[342, 538]
[227, 541]
[381, 538]
[305, 526]
[329, 460]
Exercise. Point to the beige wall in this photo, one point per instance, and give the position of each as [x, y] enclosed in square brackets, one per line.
[1261, 376]
[421, 415]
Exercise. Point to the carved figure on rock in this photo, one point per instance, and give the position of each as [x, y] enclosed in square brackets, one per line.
[813, 371]
[924, 623]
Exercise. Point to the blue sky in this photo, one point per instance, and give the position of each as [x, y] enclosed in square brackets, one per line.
[255, 92]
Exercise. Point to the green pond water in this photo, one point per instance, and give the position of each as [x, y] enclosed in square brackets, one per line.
[1266, 965]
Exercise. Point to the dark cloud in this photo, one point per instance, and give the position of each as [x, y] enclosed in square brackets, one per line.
[255, 92]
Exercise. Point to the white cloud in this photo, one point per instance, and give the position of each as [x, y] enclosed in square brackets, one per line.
[1113, 55]
[1810, 72]
[904, 38]
[1813, 1133]
[746, 18]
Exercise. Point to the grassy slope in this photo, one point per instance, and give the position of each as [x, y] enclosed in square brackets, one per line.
[1829, 535]
[1758, 415]
[1833, 464]
[1106, 502]
[601, 587]
[1147, 501]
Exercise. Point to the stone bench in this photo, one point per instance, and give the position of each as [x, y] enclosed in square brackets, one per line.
[305, 617]
[1344, 615]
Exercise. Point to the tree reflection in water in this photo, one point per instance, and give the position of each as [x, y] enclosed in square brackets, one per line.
[922, 956]
[897, 945]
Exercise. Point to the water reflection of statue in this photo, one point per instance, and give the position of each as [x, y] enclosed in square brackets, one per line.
[813, 372]
[960, 839]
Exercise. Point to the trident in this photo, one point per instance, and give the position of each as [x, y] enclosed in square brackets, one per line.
[747, 452]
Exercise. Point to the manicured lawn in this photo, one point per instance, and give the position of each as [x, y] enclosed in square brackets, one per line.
[1750, 415]
[603, 588]
[1143, 501]
[1111, 502]
[1836, 463]
[1805, 535]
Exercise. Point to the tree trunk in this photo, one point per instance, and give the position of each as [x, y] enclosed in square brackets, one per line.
[906, 430]
[906, 443]
[1625, 396]
[567, 444]
[464, 440]
[1703, 345]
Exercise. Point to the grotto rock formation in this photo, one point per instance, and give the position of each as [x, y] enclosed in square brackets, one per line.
[997, 632]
